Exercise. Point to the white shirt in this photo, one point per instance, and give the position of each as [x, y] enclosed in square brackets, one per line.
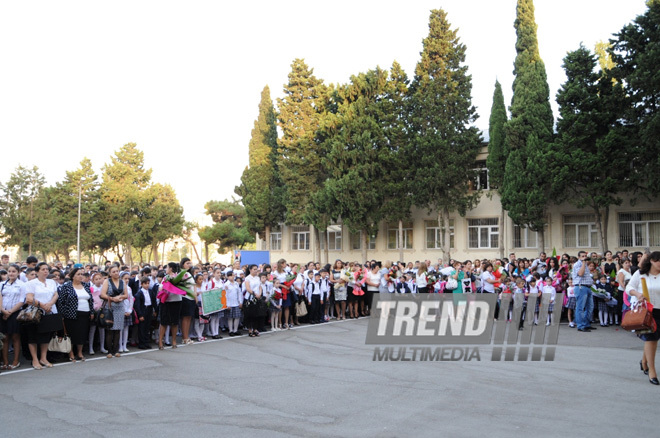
[42, 292]
[485, 285]
[83, 299]
[233, 294]
[254, 282]
[12, 294]
[147, 297]
[652, 283]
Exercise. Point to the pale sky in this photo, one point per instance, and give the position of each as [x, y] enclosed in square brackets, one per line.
[183, 79]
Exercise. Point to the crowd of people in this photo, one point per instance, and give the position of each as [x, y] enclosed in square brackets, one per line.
[75, 300]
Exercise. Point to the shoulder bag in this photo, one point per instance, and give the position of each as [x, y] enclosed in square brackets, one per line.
[640, 319]
[30, 315]
[105, 318]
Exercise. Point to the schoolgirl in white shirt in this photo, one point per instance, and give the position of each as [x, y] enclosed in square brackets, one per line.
[234, 303]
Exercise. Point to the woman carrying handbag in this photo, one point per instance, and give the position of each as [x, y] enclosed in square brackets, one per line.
[76, 305]
[114, 292]
[42, 293]
[649, 271]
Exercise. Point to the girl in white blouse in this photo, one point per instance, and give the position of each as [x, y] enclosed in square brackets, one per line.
[40, 292]
[11, 300]
[649, 271]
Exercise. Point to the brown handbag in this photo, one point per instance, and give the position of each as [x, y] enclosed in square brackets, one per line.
[30, 315]
[640, 319]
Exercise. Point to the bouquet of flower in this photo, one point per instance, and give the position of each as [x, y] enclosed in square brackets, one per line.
[359, 280]
[181, 284]
[431, 279]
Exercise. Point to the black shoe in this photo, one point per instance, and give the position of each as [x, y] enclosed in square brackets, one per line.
[641, 367]
[586, 329]
[592, 328]
[654, 380]
[217, 337]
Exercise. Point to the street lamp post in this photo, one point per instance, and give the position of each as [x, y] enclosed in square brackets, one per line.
[79, 202]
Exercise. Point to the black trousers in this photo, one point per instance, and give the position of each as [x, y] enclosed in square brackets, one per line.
[316, 314]
[112, 341]
[144, 339]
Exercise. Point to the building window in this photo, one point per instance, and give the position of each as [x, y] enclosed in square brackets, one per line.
[580, 231]
[435, 234]
[639, 229]
[483, 233]
[356, 241]
[393, 236]
[480, 181]
[334, 237]
[276, 239]
[300, 238]
[523, 237]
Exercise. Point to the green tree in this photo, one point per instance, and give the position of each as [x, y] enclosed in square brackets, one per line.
[17, 207]
[525, 191]
[299, 156]
[445, 145]
[229, 230]
[261, 187]
[124, 181]
[353, 190]
[636, 53]
[497, 153]
[396, 181]
[161, 219]
[588, 173]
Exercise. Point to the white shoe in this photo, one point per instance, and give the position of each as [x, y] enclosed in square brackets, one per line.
[104, 351]
[91, 352]
[571, 324]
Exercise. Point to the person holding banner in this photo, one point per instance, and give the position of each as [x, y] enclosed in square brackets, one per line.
[644, 287]
[214, 322]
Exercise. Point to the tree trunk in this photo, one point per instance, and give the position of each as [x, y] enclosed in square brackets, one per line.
[119, 254]
[206, 251]
[446, 235]
[400, 240]
[601, 226]
[541, 235]
[316, 247]
[500, 243]
[154, 252]
[164, 255]
[363, 245]
[267, 237]
[325, 251]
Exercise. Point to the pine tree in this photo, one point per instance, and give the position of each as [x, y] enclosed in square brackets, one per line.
[587, 172]
[261, 187]
[445, 145]
[396, 181]
[497, 153]
[300, 157]
[526, 183]
[123, 203]
[353, 190]
[636, 55]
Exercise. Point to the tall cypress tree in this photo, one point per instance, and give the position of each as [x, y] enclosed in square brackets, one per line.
[261, 188]
[396, 181]
[590, 176]
[441, 112]
[300, 158]
[526, 184]
[497, 153]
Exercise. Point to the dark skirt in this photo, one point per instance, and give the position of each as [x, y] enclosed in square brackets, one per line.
[34, 336]
[11, 325]
[188, 308]
[78, 329]
[655, 336]
[349, 295]
[287, 302]
[170, 311]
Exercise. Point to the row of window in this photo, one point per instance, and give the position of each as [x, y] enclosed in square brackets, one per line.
[635, 230]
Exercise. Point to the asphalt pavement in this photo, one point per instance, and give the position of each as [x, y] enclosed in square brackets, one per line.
[321, 380]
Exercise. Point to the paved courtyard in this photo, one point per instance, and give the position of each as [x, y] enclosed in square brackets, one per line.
[321, 381]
